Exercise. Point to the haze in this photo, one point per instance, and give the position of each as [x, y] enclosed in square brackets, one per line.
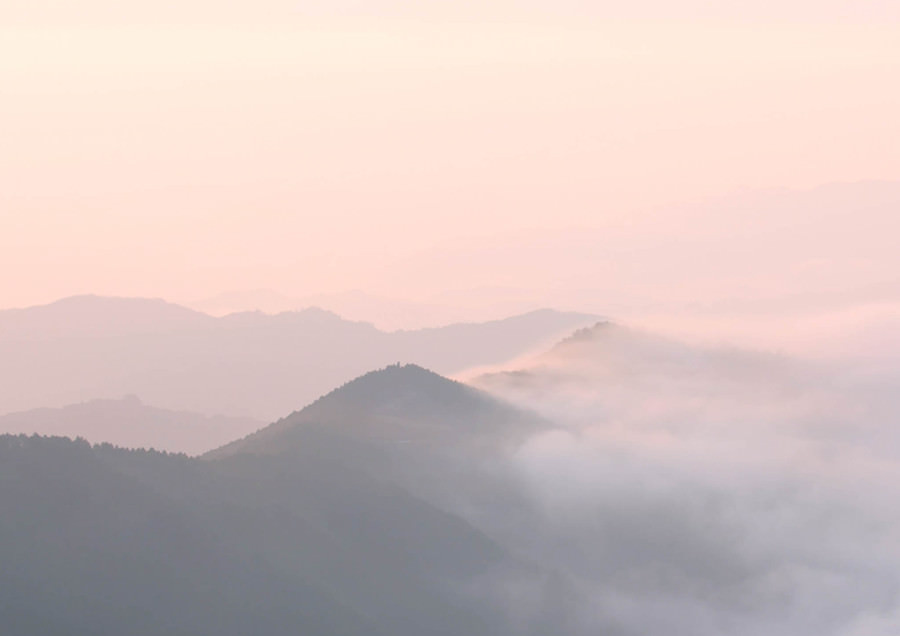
[449, 318]
[310, 149]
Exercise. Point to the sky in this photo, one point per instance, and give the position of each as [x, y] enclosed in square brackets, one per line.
[719, 170]
[590, 154]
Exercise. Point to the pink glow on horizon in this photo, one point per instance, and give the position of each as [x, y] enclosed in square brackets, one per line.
[318, 155]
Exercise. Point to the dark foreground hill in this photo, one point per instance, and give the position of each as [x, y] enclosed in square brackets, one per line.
[440, 440]
[89, 548]
[296, 530]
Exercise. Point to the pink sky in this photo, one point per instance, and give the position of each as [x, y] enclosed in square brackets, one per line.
[180, 154]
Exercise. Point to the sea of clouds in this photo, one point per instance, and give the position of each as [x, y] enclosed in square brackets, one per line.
[697, 489]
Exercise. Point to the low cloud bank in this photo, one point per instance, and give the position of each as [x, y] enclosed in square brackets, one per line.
[698, 490]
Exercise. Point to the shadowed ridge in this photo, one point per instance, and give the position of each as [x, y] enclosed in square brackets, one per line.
[100, 540]
[397, 404]
[416, 385]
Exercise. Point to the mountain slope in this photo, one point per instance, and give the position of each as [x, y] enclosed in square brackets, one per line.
[606, 355]
[89, 548]
[397, 405]
[413, 433]
[410, 430]
[106, 541]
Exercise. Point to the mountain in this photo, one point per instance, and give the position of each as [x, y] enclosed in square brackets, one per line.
[90, 547]
[319, 524]
[251, 364]
[613, 373]
[397, 405]
[608, 353]
[129, 423]
[385, 313]
[414, 433]
[388, 314]
[438, 439]
[98, 317]
[682, 489]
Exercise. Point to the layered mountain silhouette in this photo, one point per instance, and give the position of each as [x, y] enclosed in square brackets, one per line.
[400, 404]
[252, 364]
[298, 529]
[388, 314]
[98, 316]
[130, 423]
[438, 439]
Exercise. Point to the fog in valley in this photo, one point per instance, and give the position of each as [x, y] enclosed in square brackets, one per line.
[620, 481]
[707, 489]
[447, 318]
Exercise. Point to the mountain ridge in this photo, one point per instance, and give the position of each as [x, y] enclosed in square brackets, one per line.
[400, 404]
[248, 365]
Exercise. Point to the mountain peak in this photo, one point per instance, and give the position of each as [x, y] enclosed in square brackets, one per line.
[376, 386]
[407, 390]
[400, 402]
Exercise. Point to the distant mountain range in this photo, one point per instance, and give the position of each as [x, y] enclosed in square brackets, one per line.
[388, 314]
[250, 365]
[129, 423]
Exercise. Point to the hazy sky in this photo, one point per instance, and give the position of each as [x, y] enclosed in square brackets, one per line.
[405, 148]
